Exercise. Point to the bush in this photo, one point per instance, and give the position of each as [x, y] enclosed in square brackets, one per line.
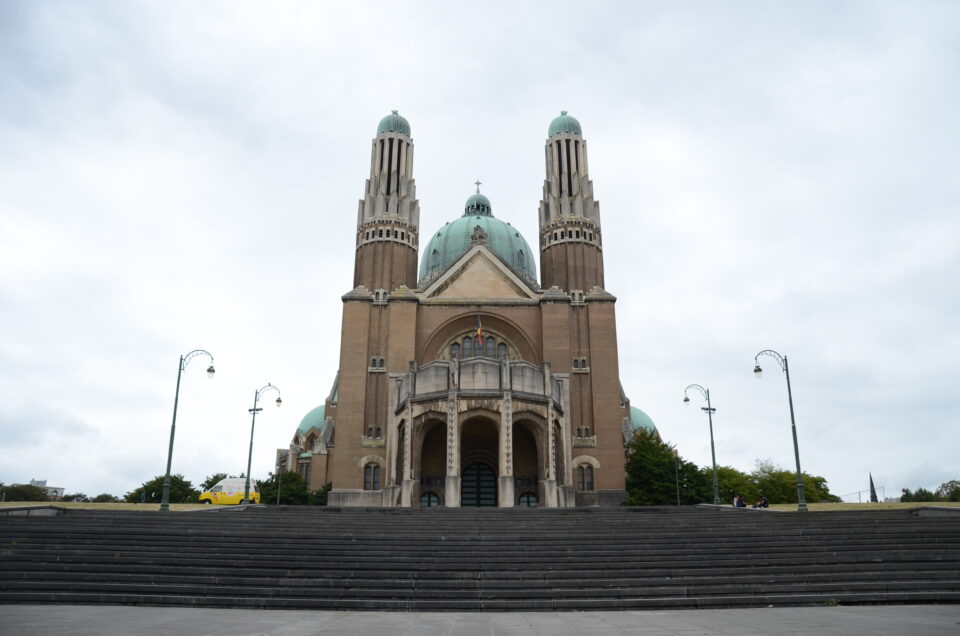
[181, 491]
[293, 491]
[24, 492]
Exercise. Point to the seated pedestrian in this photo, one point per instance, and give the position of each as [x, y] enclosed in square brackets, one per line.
[738, 502]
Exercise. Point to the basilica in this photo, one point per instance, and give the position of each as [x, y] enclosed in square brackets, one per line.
[469, 380]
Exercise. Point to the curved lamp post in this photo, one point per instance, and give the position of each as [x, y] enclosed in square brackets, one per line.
[253, 422]
[713, 455]
[184, 361]
[757, 371]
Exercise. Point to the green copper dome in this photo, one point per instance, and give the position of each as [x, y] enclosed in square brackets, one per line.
[639, 419]
[394, 122]
[564, 124]
[456, 237]
[313, 419]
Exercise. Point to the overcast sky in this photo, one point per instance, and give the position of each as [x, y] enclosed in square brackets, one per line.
[774, 175]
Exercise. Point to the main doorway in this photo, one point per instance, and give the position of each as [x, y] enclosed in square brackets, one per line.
[478, 486]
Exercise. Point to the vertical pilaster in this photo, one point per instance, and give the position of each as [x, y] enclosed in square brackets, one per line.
[406, 490]
[505, 492]
[451, 489]
[550, 474]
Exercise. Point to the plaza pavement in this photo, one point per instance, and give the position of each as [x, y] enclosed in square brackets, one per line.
[94, 620]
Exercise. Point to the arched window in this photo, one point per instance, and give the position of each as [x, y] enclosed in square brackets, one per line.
[585, 477]
[429, 500]
[455, 350]
[501, 350]
[377, 433]
[371, 477]
[528, 500]
[370, 432]
[576, 363]
[491, 346]
[467, 347]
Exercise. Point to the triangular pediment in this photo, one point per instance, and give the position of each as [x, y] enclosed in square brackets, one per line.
[479, 274]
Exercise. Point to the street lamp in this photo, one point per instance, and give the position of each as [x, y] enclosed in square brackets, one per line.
[709, 411]
[757, 371]
[253, 422]
[184, 361]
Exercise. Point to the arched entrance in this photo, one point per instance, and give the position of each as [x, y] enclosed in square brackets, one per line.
[432, 459]
[479, 455]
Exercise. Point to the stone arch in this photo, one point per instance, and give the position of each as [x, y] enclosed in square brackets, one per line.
[372, 459]
[585, 459]
[432, 349]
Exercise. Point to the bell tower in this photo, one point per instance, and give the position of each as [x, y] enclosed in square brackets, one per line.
[388, 219]
[571, 255]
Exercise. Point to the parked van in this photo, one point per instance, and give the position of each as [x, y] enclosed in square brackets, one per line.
[230, 491]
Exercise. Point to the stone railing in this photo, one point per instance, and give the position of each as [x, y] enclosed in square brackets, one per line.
[479, 376]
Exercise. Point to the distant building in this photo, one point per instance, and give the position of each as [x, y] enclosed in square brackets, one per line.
[473, 383]
[55, 493]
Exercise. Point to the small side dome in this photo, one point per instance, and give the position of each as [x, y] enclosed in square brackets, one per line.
[478, 205]
[313, 419]
[394, 122]
[639, 419]
[564, 124]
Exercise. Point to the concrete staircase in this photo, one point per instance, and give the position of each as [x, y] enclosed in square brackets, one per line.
[480, 559]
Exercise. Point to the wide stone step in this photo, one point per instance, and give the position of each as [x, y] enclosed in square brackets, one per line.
[469, 560]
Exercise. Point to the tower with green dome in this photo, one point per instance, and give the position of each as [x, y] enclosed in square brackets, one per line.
[571, 246]
[388, 219]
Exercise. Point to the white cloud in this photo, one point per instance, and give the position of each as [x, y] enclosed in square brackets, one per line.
[181, 175]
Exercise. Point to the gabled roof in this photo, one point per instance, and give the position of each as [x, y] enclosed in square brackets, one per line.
[479, 274]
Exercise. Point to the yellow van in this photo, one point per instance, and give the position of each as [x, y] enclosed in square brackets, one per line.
[230, 491]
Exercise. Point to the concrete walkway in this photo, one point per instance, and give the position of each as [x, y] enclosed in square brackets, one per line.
[92, 620]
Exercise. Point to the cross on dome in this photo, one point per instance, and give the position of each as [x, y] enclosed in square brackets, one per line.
[478, 183]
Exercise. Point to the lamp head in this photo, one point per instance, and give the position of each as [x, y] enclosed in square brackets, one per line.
[279, 402]
[686, 400]
[757, 371]
[210, 371]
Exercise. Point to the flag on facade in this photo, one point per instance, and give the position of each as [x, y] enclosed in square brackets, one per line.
[873, 491]
[479, 331]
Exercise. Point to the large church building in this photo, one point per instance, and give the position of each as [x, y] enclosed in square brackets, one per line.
[469, 381]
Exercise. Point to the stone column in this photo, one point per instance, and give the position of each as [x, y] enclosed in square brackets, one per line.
[451, 485]
[407, 486]
[505, 492]
[550, 474]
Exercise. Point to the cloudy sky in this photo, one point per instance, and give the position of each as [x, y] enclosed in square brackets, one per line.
[177, 176]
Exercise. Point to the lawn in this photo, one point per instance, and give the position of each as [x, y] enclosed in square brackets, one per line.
[108, 506]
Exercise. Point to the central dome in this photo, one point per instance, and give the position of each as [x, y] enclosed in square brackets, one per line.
[455, 238]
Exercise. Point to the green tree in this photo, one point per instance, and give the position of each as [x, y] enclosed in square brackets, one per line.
[293, 489]
[653, 469]
[732, 482]
[181, 491]
[211, 481]
[919, 495]
[949, 491]
[780, 485]
[77, 496]
[319, 497]
[104, 498]
[24, 492]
